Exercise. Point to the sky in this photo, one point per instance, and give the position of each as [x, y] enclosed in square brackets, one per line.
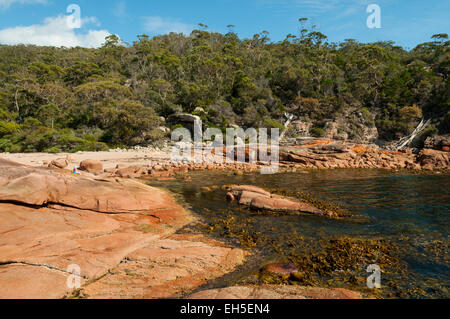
[49, 22]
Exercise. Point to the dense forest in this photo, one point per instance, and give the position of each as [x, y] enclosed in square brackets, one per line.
[72, 99]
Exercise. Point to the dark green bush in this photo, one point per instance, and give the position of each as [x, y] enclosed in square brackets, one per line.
[317, 132]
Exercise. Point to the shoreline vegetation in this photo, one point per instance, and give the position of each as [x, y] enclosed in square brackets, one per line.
[125, 95]
[81, 129]
[311, 153]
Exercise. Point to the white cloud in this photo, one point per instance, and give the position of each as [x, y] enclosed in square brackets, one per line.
[55, 31]
[159, 25]
[5, 4]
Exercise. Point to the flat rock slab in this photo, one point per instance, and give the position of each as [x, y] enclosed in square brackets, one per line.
[29, 282]
[50, 220]
[167, 268]
[38, 186]
[283, 205]
[96, 242]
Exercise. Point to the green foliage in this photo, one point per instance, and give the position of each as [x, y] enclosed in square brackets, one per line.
[317, 132]
[8, 128]
[366, 113]
[53, 150]
[132, 124]
[79, 99]
[271, 123]
[412, 112]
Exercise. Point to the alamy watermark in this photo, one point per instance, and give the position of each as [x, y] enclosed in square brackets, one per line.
[74, 19]
[74, 279]
[236, 146]
[374, 19]
[374, 279]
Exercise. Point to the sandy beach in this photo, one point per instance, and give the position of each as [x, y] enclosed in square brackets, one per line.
[109, 159]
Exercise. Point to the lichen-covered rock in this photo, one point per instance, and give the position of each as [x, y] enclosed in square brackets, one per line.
[440, 143]
[37, 187]
[329, 154]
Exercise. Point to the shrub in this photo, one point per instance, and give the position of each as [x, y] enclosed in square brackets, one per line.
[307, 104]
[271, 123]
[317, 132]
[365, 112]
[53, 150]
[411, 112]
[7, 128]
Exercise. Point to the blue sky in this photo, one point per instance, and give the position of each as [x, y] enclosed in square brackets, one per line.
[43, 22]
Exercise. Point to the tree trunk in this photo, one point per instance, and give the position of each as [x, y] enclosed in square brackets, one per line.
[405, 141]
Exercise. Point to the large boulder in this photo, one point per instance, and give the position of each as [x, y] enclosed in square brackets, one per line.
[283, 205]
[260, 199]
[238, 189]
[131, 171]
[59, 163]
[430, 159]
[91, 166]
[440, 143]
[39, 187]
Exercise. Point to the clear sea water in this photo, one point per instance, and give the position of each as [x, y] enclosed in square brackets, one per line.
[410, 210]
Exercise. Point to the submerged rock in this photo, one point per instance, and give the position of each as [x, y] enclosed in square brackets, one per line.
[282, 269]
[260, 199]
[230, 197]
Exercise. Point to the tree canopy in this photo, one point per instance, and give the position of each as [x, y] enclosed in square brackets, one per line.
[69, 99]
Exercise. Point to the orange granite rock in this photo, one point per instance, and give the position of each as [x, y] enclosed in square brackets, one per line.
[50, 220]
[260, 199]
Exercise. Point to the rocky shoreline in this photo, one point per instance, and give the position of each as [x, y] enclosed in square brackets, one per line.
[122, 235]
[329, 154]
[311, 154]
[317, 154]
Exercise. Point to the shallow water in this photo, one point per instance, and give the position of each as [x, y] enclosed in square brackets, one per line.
[410, 211]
